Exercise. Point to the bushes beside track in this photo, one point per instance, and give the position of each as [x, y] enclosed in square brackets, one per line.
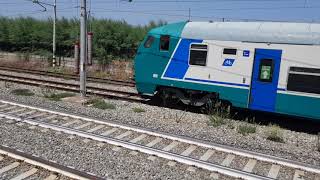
[112, 39]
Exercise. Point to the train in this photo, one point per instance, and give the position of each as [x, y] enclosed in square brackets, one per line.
[261, 66]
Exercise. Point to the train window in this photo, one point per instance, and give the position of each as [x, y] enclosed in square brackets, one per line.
[304, 80]
[164, 43]
[149, 42]
[198, 54]
[305, 70]
[266, 70]
[230, 51]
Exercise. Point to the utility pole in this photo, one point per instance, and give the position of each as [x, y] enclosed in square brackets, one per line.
[83, 47]
[77, 57]
[54, 5]
[189, 14]
[54, 34]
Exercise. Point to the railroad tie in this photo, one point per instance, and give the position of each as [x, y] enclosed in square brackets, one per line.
[191, 169]
[250, 165]
[274, 171]
[214, 175]
[188, 151]
[9, 167]
[298, 175]
[51, 177]
[10, 121]
[37, 115]
[110, 131]
[139, 138]
[27, 113]
[3, 105]
[227, 161]
[70, 123]
[49, 117]
[96, 128]
[172, 145]
[207, 155]
[25, 174]
[133, 153]
[171, 163]
[123, 135]
[54, 121]
[117, 148]
[152, 158]
[17, 111]
[154, 142]
[8, 108]
[83, 125]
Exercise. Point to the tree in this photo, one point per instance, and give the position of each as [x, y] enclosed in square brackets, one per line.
[112, 39]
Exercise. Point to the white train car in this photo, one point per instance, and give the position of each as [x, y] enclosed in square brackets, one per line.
[265, 66]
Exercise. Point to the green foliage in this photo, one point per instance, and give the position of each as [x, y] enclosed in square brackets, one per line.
[216, 120]
[274, 133]
[246, 129]
[219, 114]
[138, 110]
[58, 96]
[100, 104]
[22, 92]
[230, 125]
[111, 40]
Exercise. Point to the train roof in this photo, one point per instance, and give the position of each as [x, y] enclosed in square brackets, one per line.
[260, 32]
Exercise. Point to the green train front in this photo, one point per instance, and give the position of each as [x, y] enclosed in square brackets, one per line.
[246, 64]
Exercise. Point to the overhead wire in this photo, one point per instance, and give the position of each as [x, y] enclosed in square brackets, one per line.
[187, 16]
[154, 12]
[201, 1]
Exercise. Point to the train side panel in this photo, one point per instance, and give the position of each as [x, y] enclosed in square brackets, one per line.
[228, 71]
[240, 73]
[303, 99]
[150, 62]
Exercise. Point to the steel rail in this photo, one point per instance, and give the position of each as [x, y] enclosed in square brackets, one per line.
[144, 149]
[188, 140]
[46, 164]
[68, 84]
[68, 76]
[122, 95]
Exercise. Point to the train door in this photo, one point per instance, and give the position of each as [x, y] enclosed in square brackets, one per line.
[265, 78]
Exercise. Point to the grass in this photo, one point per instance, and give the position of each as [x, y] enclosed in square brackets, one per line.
[274, 133]
[246, 129]
[60, 70]
[22, 92]
[219, 114]
[138, 110]
[58, 96]
[216, 120]
[230, 125]
[101, 104]
[100, 74]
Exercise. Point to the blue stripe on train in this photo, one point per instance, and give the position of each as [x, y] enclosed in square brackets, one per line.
[179, 64]
[217, 82]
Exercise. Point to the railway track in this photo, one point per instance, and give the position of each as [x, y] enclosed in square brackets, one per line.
[60, 85]
[195, 153]
[69, 76]
[18, 165]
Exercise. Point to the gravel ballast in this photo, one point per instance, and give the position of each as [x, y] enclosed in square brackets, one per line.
[90, 156]
[297, 146]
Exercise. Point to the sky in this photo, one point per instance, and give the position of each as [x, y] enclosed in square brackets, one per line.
[140, 12]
